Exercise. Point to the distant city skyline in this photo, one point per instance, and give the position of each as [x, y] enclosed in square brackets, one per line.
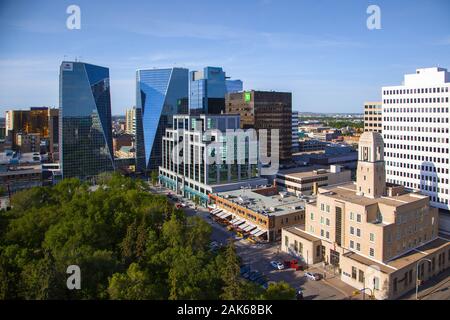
[321, 52]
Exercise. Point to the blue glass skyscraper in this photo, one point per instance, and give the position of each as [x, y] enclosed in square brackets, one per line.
[207, 91]
[160, 94]
[234, 86]
[85, 120]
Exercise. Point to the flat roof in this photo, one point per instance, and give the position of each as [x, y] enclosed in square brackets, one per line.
[368, 262]
[398, 263]
[298, 231]
[418, 253]
[347, 192]
[307, 171]
[262, 204]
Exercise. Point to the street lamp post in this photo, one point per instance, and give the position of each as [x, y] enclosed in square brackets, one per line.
[363, 292]
[417, 275]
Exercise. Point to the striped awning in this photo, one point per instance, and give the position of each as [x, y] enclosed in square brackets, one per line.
[239, 222]
[249, 228]
[255, 231]
[224, 215]
[243, 226]
[260, 233]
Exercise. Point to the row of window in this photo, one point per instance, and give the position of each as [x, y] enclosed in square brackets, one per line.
[358, 248]
[415, 110]
[416, 119]
[417, 148]
[416, 157]
[415, 91]
[416, 138]
[416, 100]
[417, 129]
[423, 178]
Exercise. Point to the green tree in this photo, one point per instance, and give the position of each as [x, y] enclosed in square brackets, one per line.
[135, 284]
[233, 289]
[279, 291]
[154, 176]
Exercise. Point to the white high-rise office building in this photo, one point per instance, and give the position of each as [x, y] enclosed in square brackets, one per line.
[416, 132]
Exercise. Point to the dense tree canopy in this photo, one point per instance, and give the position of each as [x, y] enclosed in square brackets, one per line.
[128, 243]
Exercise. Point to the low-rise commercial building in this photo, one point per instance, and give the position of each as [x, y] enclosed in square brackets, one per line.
[261, 213]
[306, 180]
[376, 235]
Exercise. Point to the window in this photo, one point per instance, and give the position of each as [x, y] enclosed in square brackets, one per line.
[352, 244]
[322, 233]
[322, 207]
[372, 237]
[358, 232]
[361, 276]
[358, 218]
[352, 216]
[352, 230]
[321, 220]
[328, 222]
[372, 252]
[354, 273]
[328, 235]
[376, 283]
[312, 216]
[286, 241]
[358, 246]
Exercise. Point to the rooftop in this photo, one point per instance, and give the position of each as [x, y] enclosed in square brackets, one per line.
[412, 256]
[347, 192]
[306, 172]
[297, 230]
[272, 205]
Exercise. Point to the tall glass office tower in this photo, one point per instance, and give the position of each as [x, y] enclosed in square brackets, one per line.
[234, 86]
[85, 120]
[207, 91]
[160, 94]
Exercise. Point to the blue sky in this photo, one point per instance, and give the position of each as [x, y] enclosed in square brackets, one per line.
[322, 51]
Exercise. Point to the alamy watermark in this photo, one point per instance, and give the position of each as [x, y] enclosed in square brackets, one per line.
[374, 20]
[73, 21]
[233, 147]
[74, 280]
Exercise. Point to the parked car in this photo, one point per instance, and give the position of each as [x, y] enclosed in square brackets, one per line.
[312, 276]
[244, 269]
[255, 275]
[277, 265]
[299, 295]
[261, 281]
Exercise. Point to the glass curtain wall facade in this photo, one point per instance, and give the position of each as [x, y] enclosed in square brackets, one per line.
[160, 94]
[85, 121]
[234, 86]
[207, 91]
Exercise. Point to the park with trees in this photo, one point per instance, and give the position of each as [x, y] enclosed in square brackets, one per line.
[128, 243]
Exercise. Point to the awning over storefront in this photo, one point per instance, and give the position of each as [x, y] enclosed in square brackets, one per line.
[249, 228]
[234, 220]
[243, 226]
[239, 222]
[224, 215]
[255, 231]
[216, 211]
[260, 233]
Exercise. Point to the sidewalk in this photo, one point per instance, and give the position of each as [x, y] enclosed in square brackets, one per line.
[334, 281]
